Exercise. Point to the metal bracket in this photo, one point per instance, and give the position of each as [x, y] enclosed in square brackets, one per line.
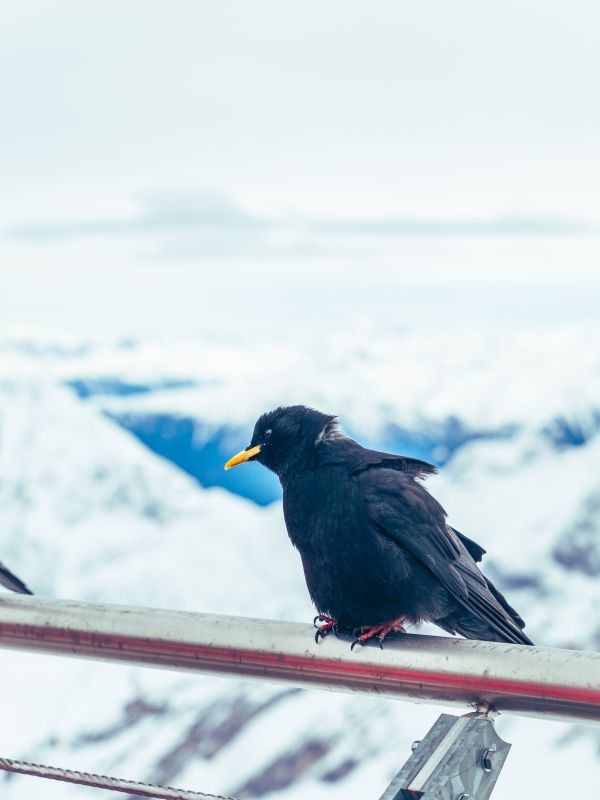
[460, 758]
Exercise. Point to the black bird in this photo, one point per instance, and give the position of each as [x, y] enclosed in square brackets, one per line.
[375, 545]
[11, 581]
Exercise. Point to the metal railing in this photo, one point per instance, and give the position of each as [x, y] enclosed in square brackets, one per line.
[538, 681]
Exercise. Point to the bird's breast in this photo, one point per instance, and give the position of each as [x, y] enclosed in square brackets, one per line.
[351, 571]
[320, 512]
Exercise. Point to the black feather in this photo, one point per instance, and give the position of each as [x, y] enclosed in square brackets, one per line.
[475, 550]
[11, 581]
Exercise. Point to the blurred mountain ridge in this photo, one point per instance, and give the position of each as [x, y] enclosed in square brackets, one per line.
[90, 511]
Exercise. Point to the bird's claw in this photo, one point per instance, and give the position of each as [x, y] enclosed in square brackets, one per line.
[323, 618]
[328, 626]
[366, 632]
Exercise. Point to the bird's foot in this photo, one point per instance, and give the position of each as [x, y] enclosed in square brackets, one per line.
[366, 632]
[328, 626]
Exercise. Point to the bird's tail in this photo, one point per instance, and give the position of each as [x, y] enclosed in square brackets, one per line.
[473, 628]
[515, 616]
[493, 621]
[11, 581]
[488, 618]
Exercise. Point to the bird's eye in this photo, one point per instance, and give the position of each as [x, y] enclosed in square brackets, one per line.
[268, 434]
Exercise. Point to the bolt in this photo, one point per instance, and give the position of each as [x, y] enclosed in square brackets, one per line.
[464, 796]
[489, 759]
[415, 744]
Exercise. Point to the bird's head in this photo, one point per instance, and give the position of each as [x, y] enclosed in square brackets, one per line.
[286, 439]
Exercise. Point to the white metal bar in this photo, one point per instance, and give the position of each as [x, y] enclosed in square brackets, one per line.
[538, 681]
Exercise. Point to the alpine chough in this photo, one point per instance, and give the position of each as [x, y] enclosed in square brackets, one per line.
[376, 548]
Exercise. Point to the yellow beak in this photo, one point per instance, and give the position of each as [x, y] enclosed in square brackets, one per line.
[245, 455]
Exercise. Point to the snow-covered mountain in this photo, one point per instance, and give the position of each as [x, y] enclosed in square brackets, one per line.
[111, 488]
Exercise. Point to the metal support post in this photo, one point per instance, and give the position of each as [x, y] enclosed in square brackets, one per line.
[460, 758]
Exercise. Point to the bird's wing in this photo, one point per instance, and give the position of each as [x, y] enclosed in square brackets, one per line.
[372, 459]
[11, 581]
[476, 551]
[403, 511]
[357, 459]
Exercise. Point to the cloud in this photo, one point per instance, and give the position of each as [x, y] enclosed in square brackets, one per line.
[187, 225]
[494, 226]
[160, 213]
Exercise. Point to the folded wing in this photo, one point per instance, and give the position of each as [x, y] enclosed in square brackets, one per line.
[402, 510]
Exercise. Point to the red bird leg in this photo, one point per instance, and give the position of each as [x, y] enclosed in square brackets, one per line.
[329, 625]
[381, 631]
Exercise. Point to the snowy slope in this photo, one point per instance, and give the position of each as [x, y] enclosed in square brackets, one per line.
[90, 512]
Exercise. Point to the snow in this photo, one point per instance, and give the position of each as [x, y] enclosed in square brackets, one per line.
[486, 381]
[89, 512]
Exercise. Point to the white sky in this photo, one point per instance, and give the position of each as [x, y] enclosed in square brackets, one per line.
[458, 112]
